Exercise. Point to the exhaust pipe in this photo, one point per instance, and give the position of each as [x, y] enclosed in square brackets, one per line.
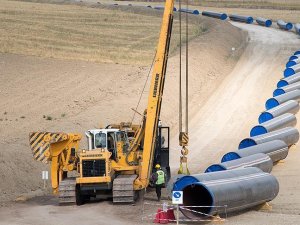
[276, 150]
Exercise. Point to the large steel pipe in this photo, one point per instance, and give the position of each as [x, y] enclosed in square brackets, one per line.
[289, 80]
[276, 150]
[289, 135]
[264, 22]
[295, 56]
[297, 28]
[190, 11]
[292, 62]
[236, 194]
[275, 101]
[162, 8]
[184, 181]
[221, 16]
[283, 25]
[285, 89]
[260, 160]
[244, 19]
[291, 70]
[290, 106]
[285, 120]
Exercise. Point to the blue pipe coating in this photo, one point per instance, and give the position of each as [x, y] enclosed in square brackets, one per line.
[275, 101]
[292, 70]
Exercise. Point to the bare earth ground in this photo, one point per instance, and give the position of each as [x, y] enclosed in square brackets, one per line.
[223, 109]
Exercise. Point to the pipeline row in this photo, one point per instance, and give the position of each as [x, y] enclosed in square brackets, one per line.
[242, 179]
[238, 18]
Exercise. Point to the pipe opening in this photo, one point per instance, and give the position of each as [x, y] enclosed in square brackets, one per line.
[282, 83]
[247, 142]
[265, 116]
[258, 130]
[197, 195]
[278, 91]
[271, 103]
[289, 72]
[230, 156]
[215, 168]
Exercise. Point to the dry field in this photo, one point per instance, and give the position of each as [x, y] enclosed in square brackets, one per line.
[80, 32]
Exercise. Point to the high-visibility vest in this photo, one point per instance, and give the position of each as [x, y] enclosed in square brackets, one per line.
[160, 177]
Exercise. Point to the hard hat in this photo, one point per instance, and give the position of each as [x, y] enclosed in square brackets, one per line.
[157, 166]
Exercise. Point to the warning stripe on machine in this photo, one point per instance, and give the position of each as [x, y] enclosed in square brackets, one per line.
[40, 143]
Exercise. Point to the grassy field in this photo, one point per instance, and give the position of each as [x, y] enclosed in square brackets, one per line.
[80, 32]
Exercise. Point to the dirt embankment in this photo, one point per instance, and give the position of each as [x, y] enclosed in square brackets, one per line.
[73, 96]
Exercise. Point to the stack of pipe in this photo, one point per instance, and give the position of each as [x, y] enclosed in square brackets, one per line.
[242, 179]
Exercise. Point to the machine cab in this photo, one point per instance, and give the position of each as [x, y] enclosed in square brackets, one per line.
[106, 138]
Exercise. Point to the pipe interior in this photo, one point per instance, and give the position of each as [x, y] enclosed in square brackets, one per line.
[197, 195]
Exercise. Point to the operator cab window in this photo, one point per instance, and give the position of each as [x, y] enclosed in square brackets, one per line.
[110, 140]
[100, 140]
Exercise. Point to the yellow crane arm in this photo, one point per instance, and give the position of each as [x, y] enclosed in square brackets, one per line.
[59, 148]
[155, 96]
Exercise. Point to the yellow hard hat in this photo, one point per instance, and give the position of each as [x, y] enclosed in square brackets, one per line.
[157, 166]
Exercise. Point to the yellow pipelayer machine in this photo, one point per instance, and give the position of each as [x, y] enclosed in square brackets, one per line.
[120, 158]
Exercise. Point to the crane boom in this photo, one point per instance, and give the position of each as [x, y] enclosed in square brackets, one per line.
[155, 96]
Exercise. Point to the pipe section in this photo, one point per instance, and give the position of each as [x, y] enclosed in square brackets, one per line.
[295, 56]
[292, 62]
[162, 8]
[283, 25]
[190, 11]
[221, 16]
[275, 101]
[260, 160]
[289, 80]
[291, 70]
[297, 28]
[289, 135]
[281, 121]
[184, 181]
[237, 194]
[264, 22]
[291, 106]
[285, 89]
[276, 150]
[244, 19]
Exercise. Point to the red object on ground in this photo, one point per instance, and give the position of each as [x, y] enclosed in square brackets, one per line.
[161, 217]
[170, 214]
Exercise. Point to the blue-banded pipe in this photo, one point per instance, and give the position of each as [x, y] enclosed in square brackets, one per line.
[286, 89]
[285, 120]
[264, 22]
[236, 193]
[190, 11]
[184, 181]
[289, 135]
[297, 28]
[292, 62]
[292, 70]
[162, 8]
[275, 101]
[288, 80]
[244, 19]
[221, 16]
[283, 25]
[295, 56]
[291, 106]
[276, 150]
[259, 160]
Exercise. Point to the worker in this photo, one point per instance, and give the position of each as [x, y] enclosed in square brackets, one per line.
[160, 180]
